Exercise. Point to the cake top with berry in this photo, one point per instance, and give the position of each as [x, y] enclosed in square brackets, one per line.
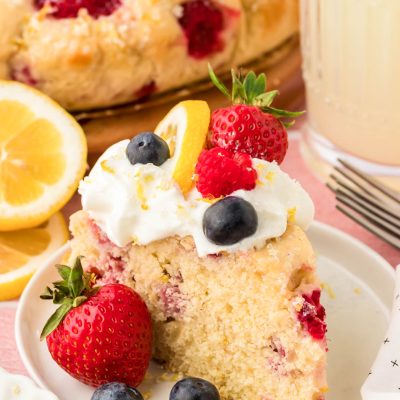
[213, 177]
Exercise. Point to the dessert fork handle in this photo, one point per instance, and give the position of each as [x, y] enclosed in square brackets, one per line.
[383, 382]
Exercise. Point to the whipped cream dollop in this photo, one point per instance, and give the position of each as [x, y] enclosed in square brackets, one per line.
[18, 387]
[142, 203]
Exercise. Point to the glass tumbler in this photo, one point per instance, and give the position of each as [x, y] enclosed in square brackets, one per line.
[351, 68]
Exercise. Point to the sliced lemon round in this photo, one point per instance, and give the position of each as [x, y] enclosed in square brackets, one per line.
[23, 251]
[42, 156]
[185, 130]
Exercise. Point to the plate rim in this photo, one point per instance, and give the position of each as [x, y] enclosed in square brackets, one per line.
[32, 370]
[356, 243]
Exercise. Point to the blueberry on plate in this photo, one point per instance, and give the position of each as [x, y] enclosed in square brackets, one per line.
[229, 220]
[194, 389]
[147, 147]
[116, 391]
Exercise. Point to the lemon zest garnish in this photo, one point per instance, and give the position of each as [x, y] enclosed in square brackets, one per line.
[210, 200]
[291, 215]
[106, 167]
[141, 196]
[148, 178]
[270, 176]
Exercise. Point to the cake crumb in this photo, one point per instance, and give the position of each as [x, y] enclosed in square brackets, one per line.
[147, 395]
[328, 290]
[357, 291]
[16, 390]
[169, 377]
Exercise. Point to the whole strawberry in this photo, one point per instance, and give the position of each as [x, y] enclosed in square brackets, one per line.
[98, 335]
[250, 125]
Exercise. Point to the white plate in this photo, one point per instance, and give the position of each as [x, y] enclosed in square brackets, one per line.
[359, 286]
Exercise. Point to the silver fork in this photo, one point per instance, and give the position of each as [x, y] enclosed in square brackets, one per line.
[367, 201]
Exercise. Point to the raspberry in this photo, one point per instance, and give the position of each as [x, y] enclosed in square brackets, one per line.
[220, 172]
[312, 315]
[202, 23]
[146, 91]
[70, 8]
[249, 130]
[24, 75]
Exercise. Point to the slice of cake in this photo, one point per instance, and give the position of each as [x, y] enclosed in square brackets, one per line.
[213, 241]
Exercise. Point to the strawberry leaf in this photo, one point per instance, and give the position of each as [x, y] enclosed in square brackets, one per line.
[75, 288]
[64, 271]
[47, 294]
[249, 85]
[78, 301]
[238, 91]
[55, 319]
[75, 281]
[281, 113]
[62, 286]
[217, 82]
[265, 99]
[288, 124]
[260, 85]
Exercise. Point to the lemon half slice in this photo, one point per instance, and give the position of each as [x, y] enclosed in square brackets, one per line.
[185, 130]
[23, 251]
[42, 156]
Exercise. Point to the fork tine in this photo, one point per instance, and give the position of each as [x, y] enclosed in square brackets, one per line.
[377, 220]
[372, 181]
[365, 205]
[370, 226]
[362, 197]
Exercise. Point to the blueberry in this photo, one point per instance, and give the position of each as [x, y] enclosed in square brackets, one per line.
[116, 391]
[147, 147]
[229, 220]
[194, 389]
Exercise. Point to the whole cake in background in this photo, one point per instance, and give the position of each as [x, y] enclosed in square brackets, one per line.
[89, 53]
[208, 230]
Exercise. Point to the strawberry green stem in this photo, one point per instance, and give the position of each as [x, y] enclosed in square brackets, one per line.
[74, 289]
[251, 90]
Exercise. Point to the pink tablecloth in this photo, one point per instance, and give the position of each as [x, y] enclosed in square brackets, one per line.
[325, 212]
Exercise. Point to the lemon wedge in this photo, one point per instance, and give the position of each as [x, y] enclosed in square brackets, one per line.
[23, 251]
[185, 130]
[42, 156]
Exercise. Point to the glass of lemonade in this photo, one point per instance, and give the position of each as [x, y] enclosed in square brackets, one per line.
[351, 67]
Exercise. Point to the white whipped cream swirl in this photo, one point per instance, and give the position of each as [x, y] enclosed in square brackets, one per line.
[19, 387]
[142, 203]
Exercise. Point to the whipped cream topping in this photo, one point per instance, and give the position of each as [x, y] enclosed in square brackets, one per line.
[18, 387]
[142, 203]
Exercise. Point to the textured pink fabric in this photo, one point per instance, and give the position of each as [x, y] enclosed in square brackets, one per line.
[326, 212]
[9, 358]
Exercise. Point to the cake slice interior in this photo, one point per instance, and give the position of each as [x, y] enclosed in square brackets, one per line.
[250, 321]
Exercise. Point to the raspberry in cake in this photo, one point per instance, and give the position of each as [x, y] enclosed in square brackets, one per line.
[70, 9]
[202, 23]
